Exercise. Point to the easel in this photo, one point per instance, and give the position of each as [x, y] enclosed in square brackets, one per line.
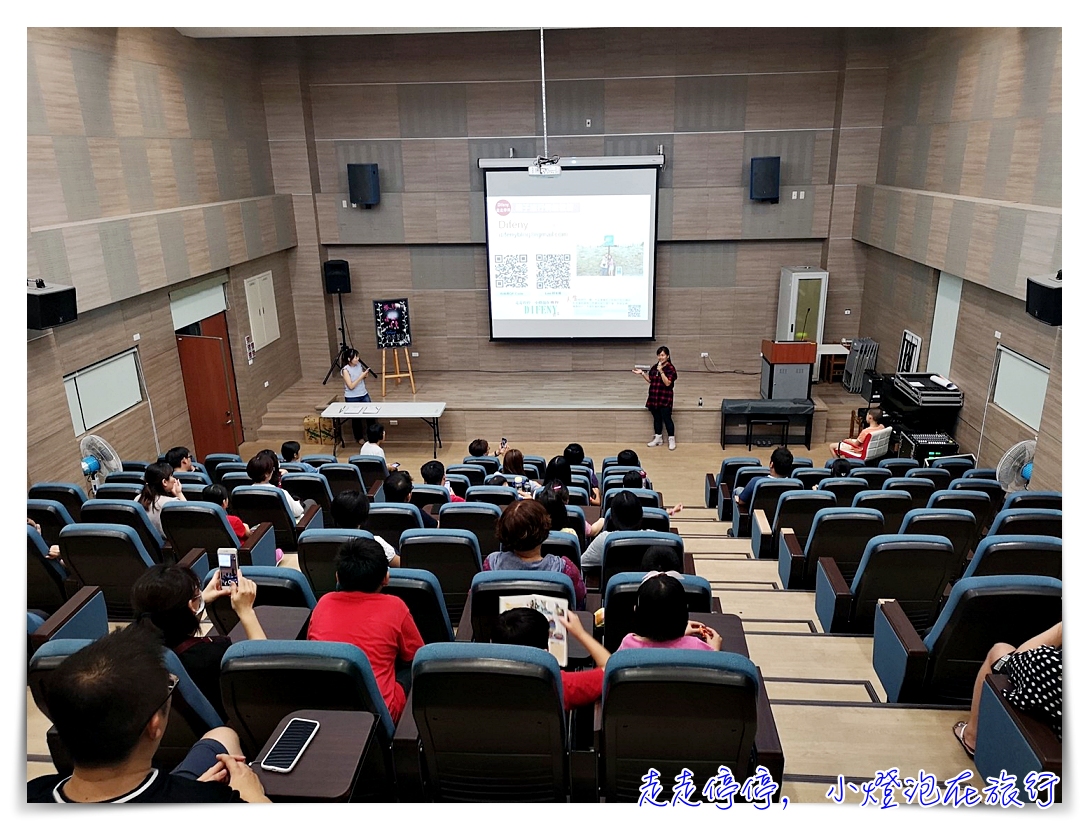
[397, 374]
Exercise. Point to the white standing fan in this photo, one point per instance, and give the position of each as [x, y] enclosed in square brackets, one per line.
[97, 458]
[1015, 469]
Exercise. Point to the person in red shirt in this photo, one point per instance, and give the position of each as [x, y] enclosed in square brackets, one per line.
[529, 627]
[217, 494]
[361, 615]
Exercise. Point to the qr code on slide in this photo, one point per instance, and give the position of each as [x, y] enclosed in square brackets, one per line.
[553, 270]
[635, 311]
[511, 271]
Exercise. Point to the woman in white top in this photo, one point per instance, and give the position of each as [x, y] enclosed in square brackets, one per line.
[160, 487]
[355, 391]
[264, 471]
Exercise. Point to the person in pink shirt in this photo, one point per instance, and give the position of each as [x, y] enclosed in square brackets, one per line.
[661, 618]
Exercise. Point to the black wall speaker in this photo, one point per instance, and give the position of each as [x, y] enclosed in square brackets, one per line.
[363, 184]
[1044, 299]
[764, 179]
[338, 280]
[48, 306]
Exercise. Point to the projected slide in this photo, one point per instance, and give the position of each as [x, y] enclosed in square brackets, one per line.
[571, 255]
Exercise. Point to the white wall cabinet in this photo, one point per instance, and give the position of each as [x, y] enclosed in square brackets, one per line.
[261, 301]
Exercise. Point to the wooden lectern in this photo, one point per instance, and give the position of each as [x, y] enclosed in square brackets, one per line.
[785, 368]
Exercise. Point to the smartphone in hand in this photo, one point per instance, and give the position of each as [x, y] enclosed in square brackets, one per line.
[228, 567]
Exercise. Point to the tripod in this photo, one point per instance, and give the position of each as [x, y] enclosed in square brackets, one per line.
[342, 355]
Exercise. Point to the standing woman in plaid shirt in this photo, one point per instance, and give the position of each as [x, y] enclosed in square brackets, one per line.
[660, 397]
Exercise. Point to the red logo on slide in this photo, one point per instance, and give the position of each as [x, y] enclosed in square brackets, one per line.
[502, 207]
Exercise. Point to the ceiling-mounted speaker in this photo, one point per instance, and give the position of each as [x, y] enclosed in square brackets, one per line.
[1044, 299]
[363, 185]
[764, 179]
[338, 279]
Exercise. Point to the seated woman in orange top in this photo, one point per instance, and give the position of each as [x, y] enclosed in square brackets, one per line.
[875, 422]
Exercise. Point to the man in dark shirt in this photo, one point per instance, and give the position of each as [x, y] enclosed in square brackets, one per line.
[398, 490]
[110, 703]
[782, 463]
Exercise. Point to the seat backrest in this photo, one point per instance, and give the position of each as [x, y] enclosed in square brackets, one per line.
[123, 512]
[292, 467]
[390, 521]
[284, 587]
[134, 466]
[310, 487]
[474, 472]
[492, 494]
[912, 568]
[344, 477]
[254, 504]
[539, 460]
[579, 496]
[958, 526]
[647, 498]
[71, 496]
[810, 477]
[193, 492]
[318, 459]
[976, 502]
[1028, 521]
[231, 479]
[213, 459]
[898, 466]
[654, 518]
[840, 533]
[223, 467]
[940, 476]
[50, 515]
[874, 476]
[191, 525]
[1017, 554]
[893, 504]
[957, 467]
[729, 467]
[489, 462]
[458, 483]
[800, 464]
[425, 494]
[624, 550]
[980, 612]
[44, 577]
[920, 488]
[648, 713]
[1034, 499]
[561, 543]
[876, 444]
[118, 491]
[578, 524]
[765, 496]
[193, 477]
[992, 488]
[478, 518]
[619, 600]
[491, 723]
[262, 681]
[422, 593]
[452, 555]
[488, 587]
[125, 477]
[796, 509]
[372, 468]
[110, 556]
[982, 472]
[844, 489]
[853, 462]
[317, 554]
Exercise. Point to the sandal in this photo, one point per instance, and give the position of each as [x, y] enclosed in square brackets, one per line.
[958, 732]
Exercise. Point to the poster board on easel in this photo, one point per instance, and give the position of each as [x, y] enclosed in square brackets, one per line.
[393, 331]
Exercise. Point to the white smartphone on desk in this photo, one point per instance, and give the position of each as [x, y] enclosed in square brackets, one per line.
[291, 744]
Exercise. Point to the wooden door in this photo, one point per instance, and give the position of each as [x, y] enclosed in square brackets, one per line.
[216, 326]
[204, 375]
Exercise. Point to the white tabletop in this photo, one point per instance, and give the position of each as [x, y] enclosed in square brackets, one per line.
[403, 409]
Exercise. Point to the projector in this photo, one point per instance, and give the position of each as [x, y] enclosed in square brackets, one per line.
[545, 169]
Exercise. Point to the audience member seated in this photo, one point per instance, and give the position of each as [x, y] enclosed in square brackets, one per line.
[110, 703]
[160, 487]
[841, 468]
[521, 531]
[554, 496]
[54, 550]
[529, 627]
[637, 481]
[264, 471]
[625, 513]
[376, 434]
[558, 470]
[168, 599]
[290, 450]
[350, 511]
[217, 494]
[179, 459]
[514, 471]
[1035, 670]
[575, 456]
[782, 461]
[480, 448]
[398, 490]
[852, 447]
[433, 472]
[661, 618]
[661, 558]
[361, 615]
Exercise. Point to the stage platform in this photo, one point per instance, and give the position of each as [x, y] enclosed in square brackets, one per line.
[595, 406]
